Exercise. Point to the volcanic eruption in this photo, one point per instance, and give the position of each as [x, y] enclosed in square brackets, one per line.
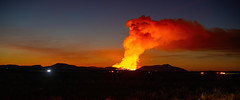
[172, 34]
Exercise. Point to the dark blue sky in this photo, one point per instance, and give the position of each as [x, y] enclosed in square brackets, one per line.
[99, 24]
[105, 19]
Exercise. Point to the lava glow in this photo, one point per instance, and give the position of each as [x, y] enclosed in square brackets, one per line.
[170, 34]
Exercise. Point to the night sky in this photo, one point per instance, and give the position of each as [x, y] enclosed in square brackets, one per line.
[91, 33]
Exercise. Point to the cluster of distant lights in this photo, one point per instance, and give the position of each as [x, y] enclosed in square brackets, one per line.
[114, 71]
[221, 73]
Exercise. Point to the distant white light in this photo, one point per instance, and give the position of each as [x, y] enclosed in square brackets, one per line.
[49, 70]
[201, 72]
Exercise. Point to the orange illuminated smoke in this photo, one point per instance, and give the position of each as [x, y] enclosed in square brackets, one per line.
[171, 34]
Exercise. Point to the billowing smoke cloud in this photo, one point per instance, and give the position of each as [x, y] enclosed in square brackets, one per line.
[173, 34]
[169, 34]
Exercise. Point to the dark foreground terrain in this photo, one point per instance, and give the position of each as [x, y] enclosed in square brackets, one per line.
[118, 85]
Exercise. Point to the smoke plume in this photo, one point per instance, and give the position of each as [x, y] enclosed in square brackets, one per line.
[173, 34]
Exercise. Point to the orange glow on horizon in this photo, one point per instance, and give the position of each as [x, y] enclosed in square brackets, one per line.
[107, 57]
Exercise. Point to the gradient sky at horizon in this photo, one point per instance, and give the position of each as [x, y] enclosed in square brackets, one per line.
[91, 32]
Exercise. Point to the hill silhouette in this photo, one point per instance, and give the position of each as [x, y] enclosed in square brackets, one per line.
[67, 67]
[21, 68]
[162, 68]
[62, 67]
[59, 67]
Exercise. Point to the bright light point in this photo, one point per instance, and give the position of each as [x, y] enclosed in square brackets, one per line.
[201, 72]
[222, 73]
[48, 70]
[132, 69]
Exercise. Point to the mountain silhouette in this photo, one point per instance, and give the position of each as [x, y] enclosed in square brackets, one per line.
[162, 68]
[21, 68]
[62, 67]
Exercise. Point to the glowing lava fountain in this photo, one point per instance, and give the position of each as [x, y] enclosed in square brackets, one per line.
[135, 44]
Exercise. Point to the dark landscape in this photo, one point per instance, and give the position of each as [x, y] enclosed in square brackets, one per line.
[119, 50]
[161, 82]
